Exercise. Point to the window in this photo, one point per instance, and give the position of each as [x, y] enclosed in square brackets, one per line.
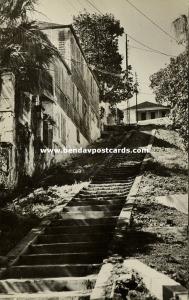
[80, 105]
[91, 85]
[59, 127]
[78, 135]
[25, 108]
[63, 130]
[153, 115]
[73, 95]
[62, 44]
[163, 114]
[47, 134]
[47, 81]
[143, 116]
[85, 115]
[77, 100]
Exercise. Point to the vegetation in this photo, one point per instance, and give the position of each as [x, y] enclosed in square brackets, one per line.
[131, 286]
[170, 86]
[99, 39]
[24, 48]
[158, 236]
[171, 83]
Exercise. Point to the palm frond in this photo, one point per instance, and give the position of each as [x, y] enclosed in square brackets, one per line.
[12, 11]
[27, 51]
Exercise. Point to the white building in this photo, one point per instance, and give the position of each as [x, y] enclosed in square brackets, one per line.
[144, 111]
[65, 113]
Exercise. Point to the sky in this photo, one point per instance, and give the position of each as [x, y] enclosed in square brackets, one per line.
[136, 25]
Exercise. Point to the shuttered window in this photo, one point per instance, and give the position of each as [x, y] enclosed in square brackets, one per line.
[63, 130]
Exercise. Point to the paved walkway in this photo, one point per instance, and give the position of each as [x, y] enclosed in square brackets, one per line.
[178, 201]
[66, 255]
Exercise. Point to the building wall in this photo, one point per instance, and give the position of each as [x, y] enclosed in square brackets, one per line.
[79, 87]
[7, 131]
[158, 113]
[65, 114]
[132, 116]
[151, 114]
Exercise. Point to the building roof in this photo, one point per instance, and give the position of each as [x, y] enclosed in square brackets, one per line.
[48, 25]
[148, 104]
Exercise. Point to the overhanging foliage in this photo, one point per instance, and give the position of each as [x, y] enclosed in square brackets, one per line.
[170, 86]
[99, 39]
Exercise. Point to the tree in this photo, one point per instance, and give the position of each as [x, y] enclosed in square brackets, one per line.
[24, 48]
[99, 39]
[170, 86]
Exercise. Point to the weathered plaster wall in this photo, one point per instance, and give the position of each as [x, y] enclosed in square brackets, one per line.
[8, 173]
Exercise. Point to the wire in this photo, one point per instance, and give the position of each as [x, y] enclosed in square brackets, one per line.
[80, 4]
[72, 5]
[149, 19]
[94, 6]
[147, 50]
[150, 48]
[141, 43]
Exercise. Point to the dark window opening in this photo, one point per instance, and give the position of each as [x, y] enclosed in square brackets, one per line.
[78, 136]
[143, 116]
[163, 114]
[153, 115]
[47, 134]
[63, 130]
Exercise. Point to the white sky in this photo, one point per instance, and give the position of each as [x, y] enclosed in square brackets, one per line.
[162, 12]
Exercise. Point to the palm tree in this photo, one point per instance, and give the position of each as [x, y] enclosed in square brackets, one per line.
[24, 48]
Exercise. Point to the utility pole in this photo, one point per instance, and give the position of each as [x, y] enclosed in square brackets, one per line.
[126, 53]
[136, 94]
[126, 68]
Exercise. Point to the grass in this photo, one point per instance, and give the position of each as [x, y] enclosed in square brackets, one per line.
[158, 235]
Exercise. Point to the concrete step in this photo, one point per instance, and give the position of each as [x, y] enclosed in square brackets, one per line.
[104, 191]
[70, 295]
[65, 238]
[104, 187]
[108, 180]
[102, 195]
[119, 168]
[105, 177]
[61, 258]
[107, 191]
[80, 222]
[85, 208]
[115, 175]
[107, 202]
[79, 247]
[117, 172]
[15, 286]
[98, 197]
[79, 229]
[107, 185]
[88, 214]
[46, 271]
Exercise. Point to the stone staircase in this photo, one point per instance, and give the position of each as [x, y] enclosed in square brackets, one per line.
[64, 260]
